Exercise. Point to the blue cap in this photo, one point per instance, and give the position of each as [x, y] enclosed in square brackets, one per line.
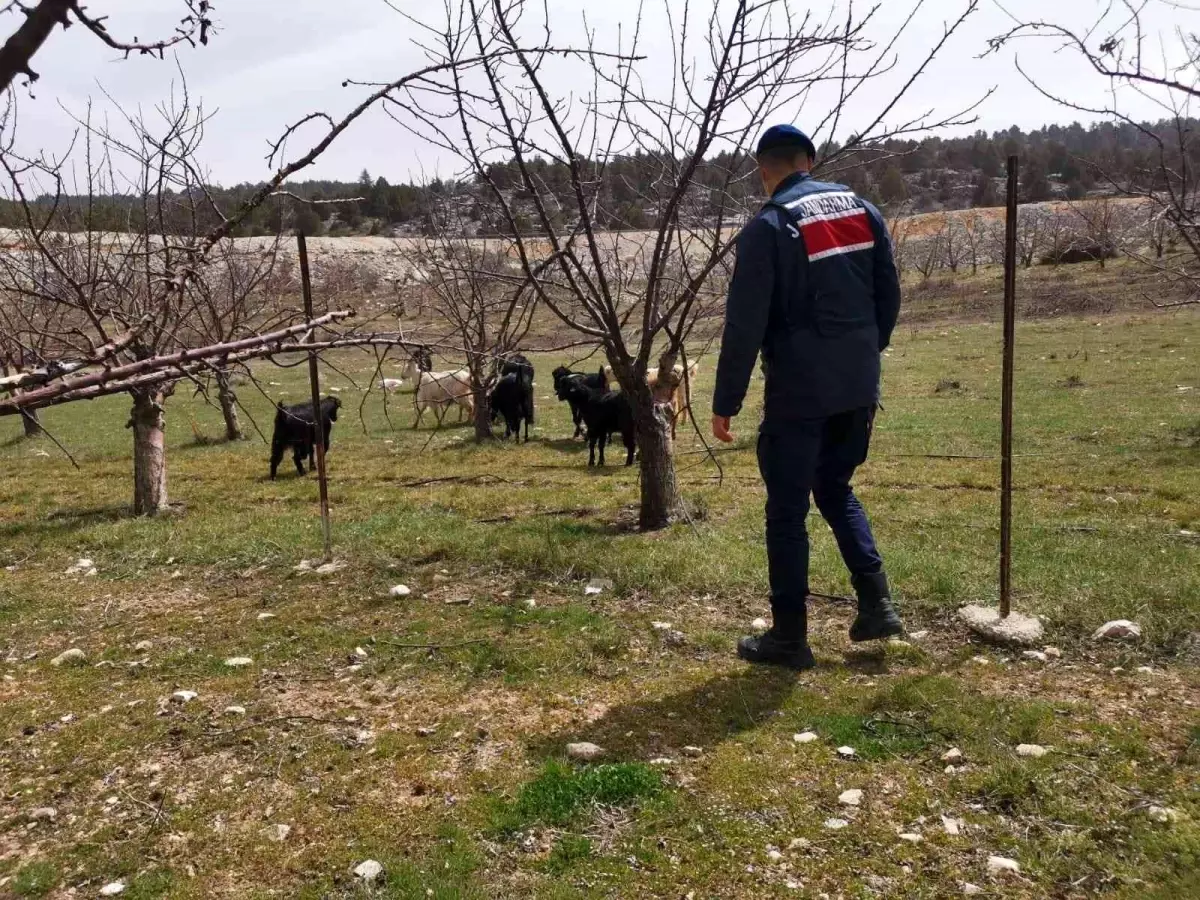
[780, 136]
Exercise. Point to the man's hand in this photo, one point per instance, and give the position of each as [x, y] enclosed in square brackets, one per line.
[720, 429]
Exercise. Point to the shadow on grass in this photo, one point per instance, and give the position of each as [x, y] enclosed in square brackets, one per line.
[702, 716]
[65, 521]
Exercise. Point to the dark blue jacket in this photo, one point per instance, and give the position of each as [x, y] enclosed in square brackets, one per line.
[815, 289]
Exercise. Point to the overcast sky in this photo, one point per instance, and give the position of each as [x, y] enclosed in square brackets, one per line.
[273, 61]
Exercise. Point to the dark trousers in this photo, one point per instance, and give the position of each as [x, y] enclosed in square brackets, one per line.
[817, 457]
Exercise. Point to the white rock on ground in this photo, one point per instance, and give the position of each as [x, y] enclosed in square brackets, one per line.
[1016, 630]
[1035, 655]
[852, 797]
[971, 890]
[265, 616]
[836, 824]
[184, 696]
[662, 626]
[82, 567]
[919, 635]
[330, 568]
[910, 838]
[846, 752]
[597, 586]
[585, 751]
[112, 889]
[1162, 814]
[1002, 865]
[235, 710]
[952, 826]
[279, 833]
[239, 662]
[400, 590]
[953, 755]
[44, 814]
[72, 657]
[774, 856]
[1033, 751]
[693, 752]
[368, 870]
[1118, 630]
[759, 625]
[1052, 652]
[143, 646]
[805, 737]
[530, 603]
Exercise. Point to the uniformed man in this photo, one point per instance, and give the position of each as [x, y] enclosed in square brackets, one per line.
[816, 291]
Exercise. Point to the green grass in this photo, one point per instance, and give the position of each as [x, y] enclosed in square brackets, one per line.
[439, 752]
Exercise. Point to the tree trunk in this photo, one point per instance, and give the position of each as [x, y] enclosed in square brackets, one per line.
[32, 423]
[228, 399]
[147, 419]
[483, 417]
[660, 503]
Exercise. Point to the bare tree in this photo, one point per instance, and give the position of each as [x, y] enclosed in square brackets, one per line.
[734, 65]
[481, 298]
[1119, 45]
[1059, 232]
[41, 18]
[974, 234]
[928, 254]
[954, 243]
[1031, 234]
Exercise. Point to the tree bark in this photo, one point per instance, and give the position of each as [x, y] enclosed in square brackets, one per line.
[660, 502]
[33, 424]
[148, 420]
[483, 417]
[20, 48]
[228, 400]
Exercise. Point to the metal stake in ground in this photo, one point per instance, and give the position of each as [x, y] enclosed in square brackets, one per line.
[314, 378]
[1003, 626]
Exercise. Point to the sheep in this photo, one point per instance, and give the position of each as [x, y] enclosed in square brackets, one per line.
[295, 427]
[564, 378]
[604, 412]
[439, 389]
[674, 390]
[512, 397]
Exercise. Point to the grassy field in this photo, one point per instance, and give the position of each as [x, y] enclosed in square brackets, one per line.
[429, 732]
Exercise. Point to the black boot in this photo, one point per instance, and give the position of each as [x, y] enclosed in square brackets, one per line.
[785, 644]
[877, 617]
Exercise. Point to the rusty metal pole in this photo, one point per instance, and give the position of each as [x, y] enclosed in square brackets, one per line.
[314, 379]
[1006, 402]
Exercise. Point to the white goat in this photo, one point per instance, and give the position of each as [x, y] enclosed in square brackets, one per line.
[673, 389]
[438, 390]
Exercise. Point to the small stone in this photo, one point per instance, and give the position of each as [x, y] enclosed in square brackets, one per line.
[971, 890]
[1163, 815]
[674, 638]
[661, 626]
[693, 752]
[427, 731]
[329, 568]
[597, 586]
[949, 770]
[458, 601]
[953, 755]
[1145, 670]
[83, 567]
[662, 761]
[239, 662]
[360, 653]
[805, 737]
[851, 797]
[774, 856]
[1036, 655]
[400, 590]
[143, 646]
[981, 660]
[919, 635]
[585, 751]
[112, 889]
[265, 616]
[1001, 865]
[1033, 751]
[441, 578]
[279, 833]
[184, 696]
[44, 814]
[836, 824]
[952, 826]
[304, 565]
[530, 603]
[368, 870]
[799, 844]
[72, 657]
[1015, 630]
[910, 837]
[1118, 630]
[846, 752]
[1052, 652]
[759, 625]
[235, 710]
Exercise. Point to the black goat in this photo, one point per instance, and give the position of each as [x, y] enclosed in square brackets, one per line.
[604, 412]
[295, 427]
[564, 378]
[512, 398]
